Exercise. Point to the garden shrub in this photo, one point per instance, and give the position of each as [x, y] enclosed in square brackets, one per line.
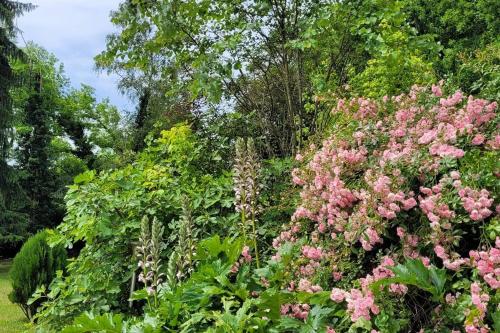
[105, 211]
[407, 184]
[34, 266]
[480, 74]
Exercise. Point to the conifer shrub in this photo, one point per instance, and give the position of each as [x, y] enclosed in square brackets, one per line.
[35, 265]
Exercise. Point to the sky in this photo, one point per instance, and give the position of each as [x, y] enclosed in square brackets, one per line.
[75, 31]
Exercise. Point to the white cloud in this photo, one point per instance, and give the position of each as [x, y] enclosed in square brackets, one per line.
[75, 31]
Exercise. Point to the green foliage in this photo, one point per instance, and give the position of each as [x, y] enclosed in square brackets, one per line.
[399, 57]
[479, 74]
[34, 149]
[105, 209]
[9, 10]
[13, 221]
[414, 273]
[111, 323]
[93, 126]
[194, 304]
[316, 321]
[217, 53]
[33, 267]
[468, 35]
[59, 133]
[87, 323]
[278, 198]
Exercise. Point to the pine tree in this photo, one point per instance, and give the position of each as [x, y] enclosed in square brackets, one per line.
[35, 161]
[12, 222]
[8, 11]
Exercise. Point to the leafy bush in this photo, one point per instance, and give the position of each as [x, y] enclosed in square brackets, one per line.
[104, 212]
[398, 56]
[34, 266]
[480, 74]
[412, 178]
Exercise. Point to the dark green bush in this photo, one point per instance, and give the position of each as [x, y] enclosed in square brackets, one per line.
[35, 265]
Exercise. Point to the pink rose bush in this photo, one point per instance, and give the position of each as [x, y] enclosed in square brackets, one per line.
[414, 176]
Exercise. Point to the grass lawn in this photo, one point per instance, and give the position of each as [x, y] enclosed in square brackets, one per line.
[12, 319]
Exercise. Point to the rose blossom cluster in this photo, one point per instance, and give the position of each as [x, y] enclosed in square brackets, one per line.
[488, 264]
[411, 131]
[307, 286]
[298, 311]
[480, 301]
[409, 243]
[245, 258]
[390, 201]
[313, 256]
[309, 269]
[453, 263]
[380, 272]
[363, 108]
[358, 190]
[312, 252]
[360, 303]
[372, 238]
[476, 203]
[435, 208]
[286, 236]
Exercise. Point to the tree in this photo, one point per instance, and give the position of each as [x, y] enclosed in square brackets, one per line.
[39, 183]
[60, 132]
[96, 128]
[268, 59]
[12, 223]
[468, 33]
[147, 83]
[8, 11]
[459, 26]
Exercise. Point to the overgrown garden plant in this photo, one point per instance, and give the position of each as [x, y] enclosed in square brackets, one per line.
[396, 230]
[149, 254]
[105, 212]
[404, 190]
[181, 261]
[247, 189]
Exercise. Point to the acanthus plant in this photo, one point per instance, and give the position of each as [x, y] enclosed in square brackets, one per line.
[149, 253]
[394, 180]
[247, 189]
[181, 262]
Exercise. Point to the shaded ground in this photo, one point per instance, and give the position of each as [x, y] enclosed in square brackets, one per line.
[12, 319]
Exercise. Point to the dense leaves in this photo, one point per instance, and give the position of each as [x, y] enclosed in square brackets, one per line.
[105, 210]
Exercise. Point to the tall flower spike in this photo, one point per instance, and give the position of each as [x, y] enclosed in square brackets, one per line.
[149, 254]
[157, 246]
[240, 190]
[247, 187]
[173, 269]
[253, 174]
[253, 189]
[143, 249]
